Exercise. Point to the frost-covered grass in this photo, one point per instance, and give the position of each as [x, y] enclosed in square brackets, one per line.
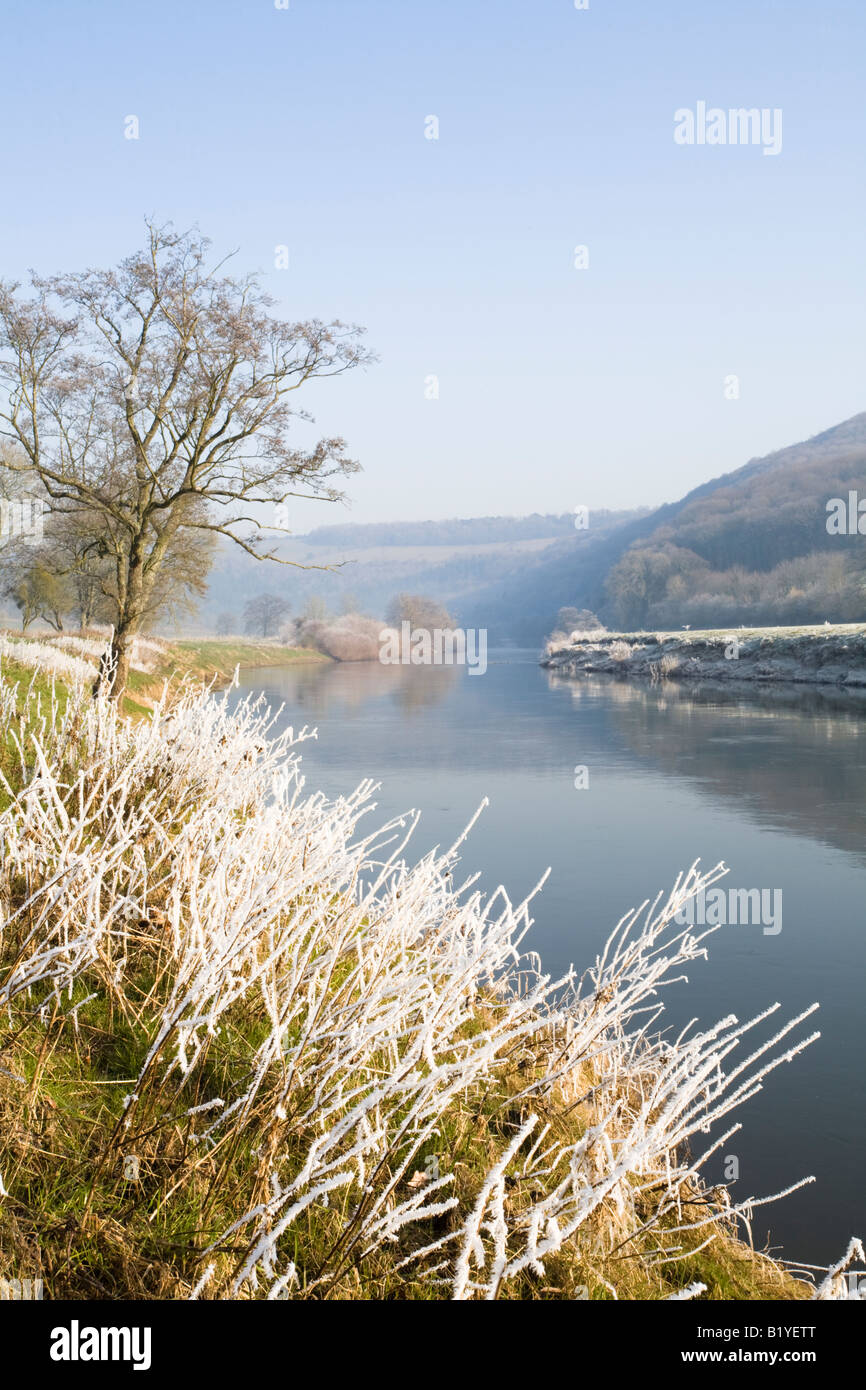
[148, 653]
[250, 1051]
[76, 658]
[29, 700]
[46, 657]
[769, 638]
[829, 654]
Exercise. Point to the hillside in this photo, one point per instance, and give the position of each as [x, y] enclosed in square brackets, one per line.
[749, 547]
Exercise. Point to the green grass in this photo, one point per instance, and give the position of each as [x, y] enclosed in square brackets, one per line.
[211, 656]
[213, 660]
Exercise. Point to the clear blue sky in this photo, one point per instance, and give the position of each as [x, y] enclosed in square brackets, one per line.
[558, 387]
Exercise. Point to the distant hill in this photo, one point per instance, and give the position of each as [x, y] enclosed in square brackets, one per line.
[471, 531]
[364, 566]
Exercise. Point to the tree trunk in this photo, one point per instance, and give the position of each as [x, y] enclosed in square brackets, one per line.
[121, 652]
[114, 672]
[114, 666]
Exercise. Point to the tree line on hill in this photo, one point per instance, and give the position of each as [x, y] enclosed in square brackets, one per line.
[756, 551]
[469, 531]
[752, 547]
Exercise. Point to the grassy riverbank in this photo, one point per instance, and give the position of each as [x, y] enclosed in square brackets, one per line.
[214, 660]
[247, 1052]
[208, 661]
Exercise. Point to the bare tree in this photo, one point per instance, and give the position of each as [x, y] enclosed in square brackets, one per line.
[78, 552]
[350, 603]
[36, 590]
[156, 397]
[420, 611]
[315, 607]
[264, 613]
[28, 573]
[72, 570]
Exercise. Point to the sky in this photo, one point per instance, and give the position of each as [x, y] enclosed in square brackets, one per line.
[606, 383]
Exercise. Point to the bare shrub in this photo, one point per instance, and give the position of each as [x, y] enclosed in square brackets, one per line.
[562, 638]
[351, 637]
[664, 668]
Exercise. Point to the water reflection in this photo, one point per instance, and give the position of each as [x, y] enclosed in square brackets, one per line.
[769, 779]
[325, 687]
[791, 754]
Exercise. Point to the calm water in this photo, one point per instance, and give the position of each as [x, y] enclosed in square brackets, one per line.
[772, 783]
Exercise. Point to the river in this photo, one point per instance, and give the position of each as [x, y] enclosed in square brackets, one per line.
[616, 787]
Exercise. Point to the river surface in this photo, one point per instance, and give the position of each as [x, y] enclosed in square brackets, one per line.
[772, 782]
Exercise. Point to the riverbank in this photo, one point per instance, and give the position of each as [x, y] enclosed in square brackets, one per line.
[244, 1069]
[827, 655]
[211, 660]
